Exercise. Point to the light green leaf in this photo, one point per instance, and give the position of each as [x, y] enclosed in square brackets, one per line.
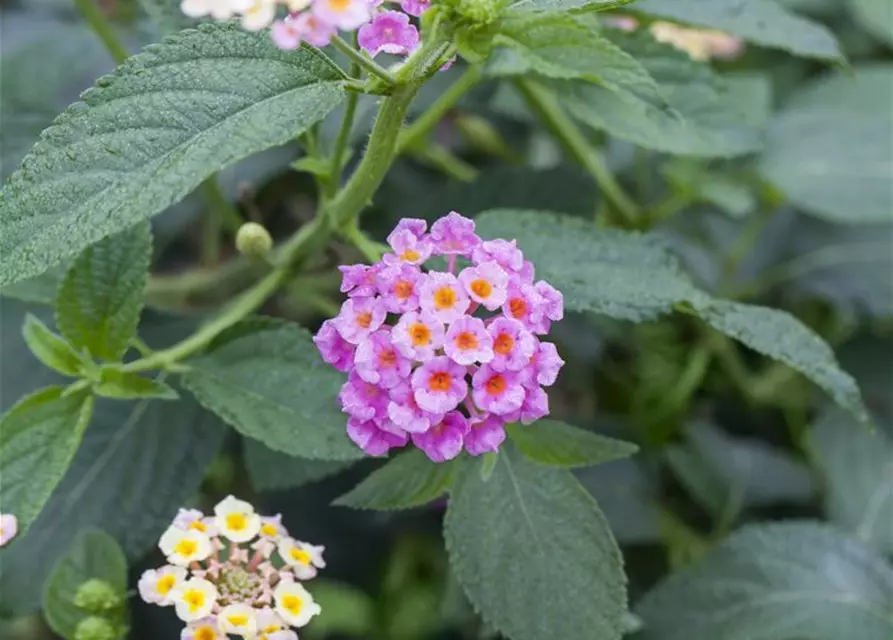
[567, 5]
[557, 46]
[633, 276]
[829, 149]
[101, 297]
[267, 379]
[706, 116]
[557, 444]
[875, 16]
[534, 553]
[858, 469]
[271, 470]
[138, 462]
[93, 555]
[131, 386]
[763, 22]
[408, 480]
[785, 581]
[726, 474]
[49, 348]
[151, 132]
[38, 439]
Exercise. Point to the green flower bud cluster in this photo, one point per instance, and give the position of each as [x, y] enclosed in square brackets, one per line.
[106, 612]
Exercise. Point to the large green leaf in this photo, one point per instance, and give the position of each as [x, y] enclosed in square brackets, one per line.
[149, 133]
[764, 22]
[706, 116]
[94, 555]
[409, 480]
[790, 581]
[101, 297]
[267, 380]
[858, 469]
[875, 16]
[567, 5]
[633, 276]
[557, 444]
[557, 46]
[138, 462]
[829, 149]
[38, 439]
[534, 553]
[273, 470]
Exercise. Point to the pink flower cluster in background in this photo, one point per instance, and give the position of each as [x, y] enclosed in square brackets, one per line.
[442, 358]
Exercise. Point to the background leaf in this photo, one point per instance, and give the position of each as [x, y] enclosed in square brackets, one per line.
[528, 577]
[557, 444]
[787, 581]
[94, 554]
[129, 149]
[875, 16]
[274, 471]
[566, 5]
[762, 22]
[828, 147]
[408, 480]
[100, 299]
[267, 379]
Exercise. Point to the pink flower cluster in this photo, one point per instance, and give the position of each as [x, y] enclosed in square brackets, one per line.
[460, 357]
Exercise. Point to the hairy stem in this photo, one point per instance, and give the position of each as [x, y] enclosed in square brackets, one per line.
[364, 61]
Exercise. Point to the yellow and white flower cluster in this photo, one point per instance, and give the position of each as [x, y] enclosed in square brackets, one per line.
[234, 573]
[699, 44]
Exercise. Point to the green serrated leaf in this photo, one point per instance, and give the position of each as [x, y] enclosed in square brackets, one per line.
[131, 386]
[409, 480]
[51, 349]
[100, 299]
[557, 444]
[38, 439]
[534, 553]
[785, 580]
[763, 22]
[828, 150]
[568, 5]
[633, 276]
[858, 470]
[557, 46]
[151, 132]
[271, 470]
[706, 116]
[268, 381]
[93, 555]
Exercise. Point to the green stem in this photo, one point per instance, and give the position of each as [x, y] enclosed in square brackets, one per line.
[337, 160]
[103, 29]
[370, 249]
[380, 153]
[546, 107]
[364, 61]
[219, 205]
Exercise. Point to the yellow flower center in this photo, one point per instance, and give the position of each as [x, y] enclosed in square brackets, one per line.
[269, 529]
[195, 599]
[205, 633]
[293, 604]
[186, 547]
[237, 619]
[444, 298]
[410, 255]
[198, 525]
[481, 288]
[165, 584]
[236, 521]
[299, 555]
[420, 334]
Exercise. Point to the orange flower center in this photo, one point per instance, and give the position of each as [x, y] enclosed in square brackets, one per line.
[205, 633]
[364, 319]
[387, 359]
[518, 307]
[503, 344]
[496, 385]
[481, 288]
[410, 255]
[444, 298]
[339, 5]
[466, 340]
[403, 289]
[420, 334]
[439, 381]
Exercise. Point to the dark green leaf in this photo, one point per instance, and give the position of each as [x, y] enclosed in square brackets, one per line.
[786, 581]
[101, 297]
[38, 439]
[628, 498]
[267, 380]
[151, 132]
[557, 444]
[858, 469]
[697, 181]
[829, 150]
[534, 553]
[763, 22]
[49, 348]
[409, 480]
[93, 555]
[273, 470]
[132, 386]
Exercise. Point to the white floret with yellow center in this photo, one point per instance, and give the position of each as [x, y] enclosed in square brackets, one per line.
[155, 585]
[303, 558]
[194, 599]
[294, 604]
[236, 520]
[239, 620]
[183, 547]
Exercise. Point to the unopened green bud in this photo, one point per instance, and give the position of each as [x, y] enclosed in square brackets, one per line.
[479, 12]
[96, 596]
[95, 628]
[253, 240]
